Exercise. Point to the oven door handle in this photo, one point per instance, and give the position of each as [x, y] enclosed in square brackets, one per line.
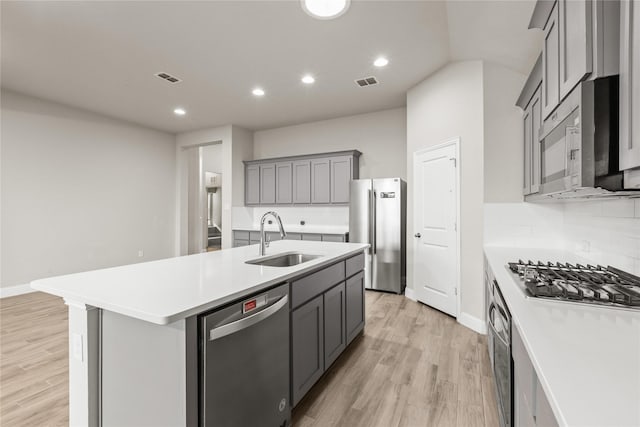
[496, 334]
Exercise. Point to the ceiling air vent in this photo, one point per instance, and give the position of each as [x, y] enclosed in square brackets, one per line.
[168, 77]
[367, 81]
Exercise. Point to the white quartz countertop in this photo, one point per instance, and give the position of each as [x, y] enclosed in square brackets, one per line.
[587, 358]
[296, 228]
[172, 289]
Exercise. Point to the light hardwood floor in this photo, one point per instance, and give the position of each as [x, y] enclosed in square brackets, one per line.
[414, 366]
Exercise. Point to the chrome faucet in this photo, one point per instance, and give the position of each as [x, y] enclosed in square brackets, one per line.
[264, 243]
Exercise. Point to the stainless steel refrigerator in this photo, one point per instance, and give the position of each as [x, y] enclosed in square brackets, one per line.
[378, 216]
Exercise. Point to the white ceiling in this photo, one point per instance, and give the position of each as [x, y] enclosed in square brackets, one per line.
[102, 56]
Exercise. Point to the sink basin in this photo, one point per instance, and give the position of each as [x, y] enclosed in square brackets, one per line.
[283, 260]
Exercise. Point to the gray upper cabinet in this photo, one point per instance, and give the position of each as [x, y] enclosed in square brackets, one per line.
[629, 85]
[302, 182]
[551, 64]
[268, 183]
[575, 25]
[252, 185]
[535, 108]
[528, 126]
[284, 184]
[341, 176]
[320, 181]
[530, 101]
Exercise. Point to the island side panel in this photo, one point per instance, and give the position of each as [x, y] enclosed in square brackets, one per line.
[84, 364]
[143, 372]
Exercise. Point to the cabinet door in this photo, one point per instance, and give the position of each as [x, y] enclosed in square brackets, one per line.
[629, 84]
[575, 43]
[302, 181]
[267, 183]
[526, 188]
[543, 413]
[341, 174]
[355, 306]
[320, 181]
[284, 186]
[551, 64]
[252, 185]
[536, 124]
[307, 347]
[334, 326]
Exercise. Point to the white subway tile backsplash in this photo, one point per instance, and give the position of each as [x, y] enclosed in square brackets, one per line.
[618, 208]
[604, 232]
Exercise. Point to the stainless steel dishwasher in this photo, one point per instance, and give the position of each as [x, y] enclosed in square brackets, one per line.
[245, 362]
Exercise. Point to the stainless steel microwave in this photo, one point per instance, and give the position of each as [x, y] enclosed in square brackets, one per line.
[579, 144]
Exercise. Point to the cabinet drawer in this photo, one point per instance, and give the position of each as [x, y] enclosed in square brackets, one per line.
[240, 235]
[316, 283]
[354, 264]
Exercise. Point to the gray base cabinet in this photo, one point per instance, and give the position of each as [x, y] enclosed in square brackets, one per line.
[327, 314]
[251, 237]
[334, 326]
[307, 337]
[355, 305]
[531, 406]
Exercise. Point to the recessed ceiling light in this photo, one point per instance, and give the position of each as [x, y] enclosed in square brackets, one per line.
[381, 62]
[325, 9]
[258, 92]
[179, 112]
[308, 79]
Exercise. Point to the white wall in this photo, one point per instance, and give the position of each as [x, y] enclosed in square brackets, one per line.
[449, 104]
[380, 136]
[81, 191]
[503, 134]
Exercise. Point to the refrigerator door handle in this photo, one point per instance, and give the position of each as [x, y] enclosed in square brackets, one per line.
[374, 224]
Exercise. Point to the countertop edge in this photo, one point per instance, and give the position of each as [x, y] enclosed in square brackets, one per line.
[183, 314]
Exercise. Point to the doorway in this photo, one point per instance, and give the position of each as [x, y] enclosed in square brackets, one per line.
[436, 217]
[204, 204]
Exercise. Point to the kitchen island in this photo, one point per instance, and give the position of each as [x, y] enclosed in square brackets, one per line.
[128, 326]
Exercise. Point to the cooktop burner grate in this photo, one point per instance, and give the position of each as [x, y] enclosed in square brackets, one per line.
[579, 283]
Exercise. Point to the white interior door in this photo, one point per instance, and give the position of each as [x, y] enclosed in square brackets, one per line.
[435, 228]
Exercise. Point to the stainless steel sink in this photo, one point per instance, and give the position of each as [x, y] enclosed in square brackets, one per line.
[283, 260]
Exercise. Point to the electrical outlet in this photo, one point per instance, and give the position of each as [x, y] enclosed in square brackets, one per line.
[140, 253]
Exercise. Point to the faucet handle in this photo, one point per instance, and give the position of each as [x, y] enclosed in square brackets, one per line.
[267, 241]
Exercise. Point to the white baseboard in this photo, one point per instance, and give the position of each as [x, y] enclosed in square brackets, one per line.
[409, 293]
[11, 291]
[473, 323]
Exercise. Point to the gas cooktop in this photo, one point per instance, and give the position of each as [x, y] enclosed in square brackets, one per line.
[579, 283]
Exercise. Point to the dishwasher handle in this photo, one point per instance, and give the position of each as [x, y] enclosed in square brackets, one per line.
[244, 323]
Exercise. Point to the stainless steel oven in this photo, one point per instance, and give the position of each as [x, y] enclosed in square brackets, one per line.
[499, 320]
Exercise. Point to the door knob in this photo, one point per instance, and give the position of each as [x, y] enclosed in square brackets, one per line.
[418, 235]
